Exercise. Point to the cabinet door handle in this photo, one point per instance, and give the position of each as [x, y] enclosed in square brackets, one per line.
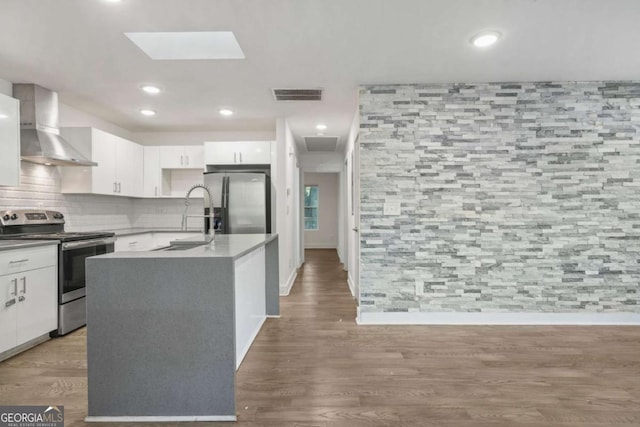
[181, 160]
[187, 160]
[119, 187]
[10, 302]
[24, 284]
[19, 261]
[21, 298]
[234, 157]
[241, 157]
[156, 191]
[15, 287]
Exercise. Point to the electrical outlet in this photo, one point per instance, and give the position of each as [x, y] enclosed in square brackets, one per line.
[391, 208]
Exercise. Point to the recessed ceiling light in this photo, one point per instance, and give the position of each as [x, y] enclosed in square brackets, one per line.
[47, 164]
[225, 112]
[485, 39]
[321, 126]
[113, 1]
[188, 45]
[153, 90]
[146, 112]
[3, 116]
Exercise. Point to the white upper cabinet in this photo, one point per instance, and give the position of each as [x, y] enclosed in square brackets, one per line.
[152, 172]
[129, 167]
[120, 164]
[182, 157]
[237, 152]
[9, 141]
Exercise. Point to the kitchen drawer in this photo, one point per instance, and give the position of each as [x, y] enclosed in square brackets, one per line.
[134, 243]
[15, 261]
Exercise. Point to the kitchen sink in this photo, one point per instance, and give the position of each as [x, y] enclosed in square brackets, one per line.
[180, 247]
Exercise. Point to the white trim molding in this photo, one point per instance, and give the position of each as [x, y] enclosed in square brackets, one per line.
[167, 419]
[351, 285]
[244, 351]
[513, 318]
[284, 290]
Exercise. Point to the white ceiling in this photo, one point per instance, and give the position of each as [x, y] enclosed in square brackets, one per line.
[78, 48]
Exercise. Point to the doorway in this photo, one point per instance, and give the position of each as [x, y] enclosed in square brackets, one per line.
[321, 213]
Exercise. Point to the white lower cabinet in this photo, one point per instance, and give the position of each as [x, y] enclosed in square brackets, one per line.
[136, 242]
[37, 311]
[28, 297]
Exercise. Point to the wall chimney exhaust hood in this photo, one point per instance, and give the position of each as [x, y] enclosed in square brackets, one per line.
[40, 140]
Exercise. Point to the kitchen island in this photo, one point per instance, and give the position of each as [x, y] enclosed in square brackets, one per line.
[166, 330]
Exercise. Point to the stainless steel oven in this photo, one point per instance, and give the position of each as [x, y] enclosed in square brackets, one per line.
[73, 251]
[72, 280]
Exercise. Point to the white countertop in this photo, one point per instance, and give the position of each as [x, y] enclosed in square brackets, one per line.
[140, 230]
[224, 246]
[6, 245]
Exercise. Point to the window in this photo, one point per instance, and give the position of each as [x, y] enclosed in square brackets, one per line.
[311, 207]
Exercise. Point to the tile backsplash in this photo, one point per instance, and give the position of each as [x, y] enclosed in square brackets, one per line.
[40, 189]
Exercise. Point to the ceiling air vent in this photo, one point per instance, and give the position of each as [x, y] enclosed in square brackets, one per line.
[297, 94]
[321, 143]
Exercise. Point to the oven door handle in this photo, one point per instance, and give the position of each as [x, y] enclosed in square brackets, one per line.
[87, 243]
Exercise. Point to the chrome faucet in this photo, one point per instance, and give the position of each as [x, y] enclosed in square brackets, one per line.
[207, 236]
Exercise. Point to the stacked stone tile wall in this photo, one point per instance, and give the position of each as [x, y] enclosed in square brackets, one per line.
[515, 197]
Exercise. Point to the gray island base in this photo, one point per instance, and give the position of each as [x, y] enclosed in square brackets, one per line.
[167, 330]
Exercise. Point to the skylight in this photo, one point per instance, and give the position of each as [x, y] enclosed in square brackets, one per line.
[188, 45]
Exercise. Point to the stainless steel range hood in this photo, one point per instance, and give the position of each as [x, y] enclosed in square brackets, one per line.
[40, 140]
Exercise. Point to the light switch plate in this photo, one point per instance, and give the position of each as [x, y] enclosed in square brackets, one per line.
[391, 208]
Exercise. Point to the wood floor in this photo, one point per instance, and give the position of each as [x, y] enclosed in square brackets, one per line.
[315, 367]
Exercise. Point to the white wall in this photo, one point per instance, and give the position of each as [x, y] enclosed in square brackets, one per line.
[284, 171]
[71, 117]
[196, 138]
[326, 237]
[321, 162]
[352, 215]
[6, 88]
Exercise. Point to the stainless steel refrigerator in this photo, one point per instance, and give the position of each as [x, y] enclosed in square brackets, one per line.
[241, 202]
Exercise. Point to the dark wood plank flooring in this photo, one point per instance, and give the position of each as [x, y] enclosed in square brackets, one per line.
[315, 367]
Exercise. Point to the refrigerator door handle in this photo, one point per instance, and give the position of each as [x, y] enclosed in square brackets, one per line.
[224, 193]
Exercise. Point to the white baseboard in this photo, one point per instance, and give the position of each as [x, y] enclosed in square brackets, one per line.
[449, 318]
[273, 316]
[284, 290]
[168, 419]
[351, 285]
[328, 246]
[248, 346]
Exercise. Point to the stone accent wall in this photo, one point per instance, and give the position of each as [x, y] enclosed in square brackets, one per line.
[515, 197]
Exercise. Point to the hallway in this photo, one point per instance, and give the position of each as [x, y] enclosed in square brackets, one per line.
[315, 367]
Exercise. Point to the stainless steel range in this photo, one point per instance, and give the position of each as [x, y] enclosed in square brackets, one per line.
[73, 250]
